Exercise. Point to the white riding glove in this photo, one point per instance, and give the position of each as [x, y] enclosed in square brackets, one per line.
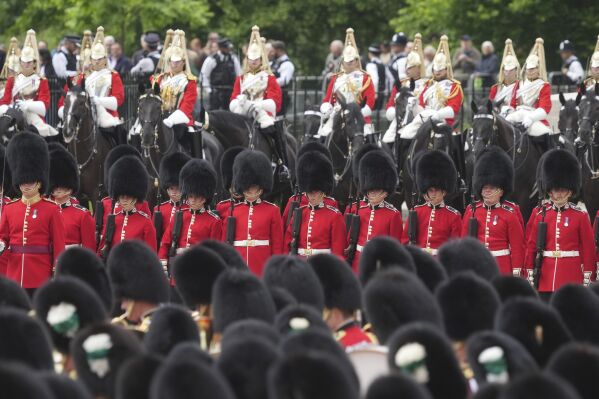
[390, 114]
[366, 111]
[176, 118]
[61, 112]
[527, 122]
[443, 113]
[109, 103]
[326, 109]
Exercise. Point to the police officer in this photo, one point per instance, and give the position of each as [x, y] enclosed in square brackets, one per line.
[381, 77]
[65, 60]
[219, 72]
[572, 69]
[283, 69]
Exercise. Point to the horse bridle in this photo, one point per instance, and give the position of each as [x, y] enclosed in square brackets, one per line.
[349, 157]
[91, 136]
[144, 122]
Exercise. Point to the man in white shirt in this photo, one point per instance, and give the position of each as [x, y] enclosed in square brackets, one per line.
[65, 60]
[571, 68]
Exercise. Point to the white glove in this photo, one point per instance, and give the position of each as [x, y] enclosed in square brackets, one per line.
[3, 109]
[390, 114]
[176, 118]
[586, 281]
[242, 98]
[527, 122]
[22, 105]
[326, 109]
[61, 112]
[366, 111]
[106, 102]
[267, 105]
[530, 277]
[516, 272]
[168, 123]
[427, 113]
[443, 113]
[537, 115]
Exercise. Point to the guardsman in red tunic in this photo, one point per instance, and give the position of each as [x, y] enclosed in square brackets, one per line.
[196, 222]
[436, 176]
[31, 228]
[378, 179]
[569, 254]
[5, 184]
[256, 93]
[64, 182]
[170, 167]
[322, 228]
[259, 230]
[127, 184]
[104, 88]
[534, 97]
[342, 300]
[28, 91]
[498, 225]
[354, 84]
[223, 208]
[504, 92]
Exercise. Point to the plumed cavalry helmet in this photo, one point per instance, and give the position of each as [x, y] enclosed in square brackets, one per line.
[12, 59]
[98, 50]
[442, 58]
[509, 60]
[595, 56]
[536, 59]
[29, 52]
[256, 50]
[86, 51]
[350, 50]
[416, 56]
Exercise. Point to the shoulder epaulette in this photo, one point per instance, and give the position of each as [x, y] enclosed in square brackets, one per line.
[143, 214]
[453, 210]
[332, 208]
[510, 203]
[419, 205]
[269, 203]
[80, 207]
[49, 200]
[456, 81]
[507, 208]
[390, 206]
[576, 208]
[191, 77]
[223, 201]
[12, 201]
[213, 214]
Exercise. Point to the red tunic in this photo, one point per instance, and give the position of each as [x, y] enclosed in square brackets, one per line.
[187, 102]
[544, 101]
[223, 209]
[568, 231]
[493, 93]
[322, 230]
[454, 100]
[380, 220]
[367, 94]
[79, 225]
[501, 232]
[303, 201]
[436, 225]
[33, 236]
[168, 210]
[116, 90]
[107, 202]
[272, 92]
[42, 94]
[350, 334]
[4, 255]
[351, 207]
[258, 233]
[134, 225]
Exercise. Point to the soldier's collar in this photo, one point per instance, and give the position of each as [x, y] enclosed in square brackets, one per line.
[560, 208]
[347, 324]
[250, 203]
[66, 204]
[438, 206]
[197, 211]
[489, 207]
[313, 207]
[129, 213]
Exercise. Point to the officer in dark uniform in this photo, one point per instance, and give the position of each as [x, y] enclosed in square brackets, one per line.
[218, 75]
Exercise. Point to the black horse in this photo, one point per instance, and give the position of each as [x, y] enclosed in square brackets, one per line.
[11, 122]
[588, 126]
[312, 119]
[231, 129]
[490, 128]
[85, 141]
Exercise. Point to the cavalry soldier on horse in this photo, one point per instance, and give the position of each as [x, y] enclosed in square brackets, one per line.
[256, 92]
[28, 91]
[503, 93]
[534, 97]
[353, 84]
[593, 72]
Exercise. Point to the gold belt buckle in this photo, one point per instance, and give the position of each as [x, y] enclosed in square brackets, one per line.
[557, 254]
[251, 243]
[429, 250]
[308, 251]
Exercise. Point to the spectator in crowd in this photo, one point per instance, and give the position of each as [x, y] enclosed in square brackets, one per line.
[283, 69]
[429, 54]
[212, 43]
[397, 64]
[2, 55]
[380, 75]
[42, 45]
[196, 46]
[218, 75]
[572, 69]
[108, 42]
[139, 54]
[333, 60]
[65, 60]
[488, 66]
[409, 47]
[118, 61]
[465, 60]
[385, 52]
[46, 68]
[150, 55]
[270, 52]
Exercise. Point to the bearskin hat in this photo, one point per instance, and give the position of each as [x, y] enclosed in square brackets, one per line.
[428, 268]
[383, 252]
[281, 297]
[561, 169]
[297, 277]
[539, 386]
[357, 157]
[67, 305]
[252, 168]
[63, 386]
[24, 339]
[170, 166]
[84, 264]
[310, 375]
[136, 375]
[128, 176]
[195, 271]
[511, 287]
[396, 386]
[315, 173]
[13, 295]
[341, 288]
[28, 160]
[310, 146]
[189, 378]
[423, 352]
[245, 364]
[536, 325]
[435, 169]
[296, 318]
[170, 325]
[226, 166]
[18, 381]
[494, 167]
[487, 349]
[377, 172]
[64, 171]
[250, 328]
[116, 153]
[99, 351]
[198, 177]
[5, 175]
[579, 309]
[239, 295]
[136, 273]
[468, 303]
[468, 254]
[229, 255]
[189, 350]
[393, 298]
[578, 364]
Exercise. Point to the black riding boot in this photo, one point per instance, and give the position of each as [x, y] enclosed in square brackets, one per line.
[277, 135]
[555, 141]
[197, 145]
[182, 136]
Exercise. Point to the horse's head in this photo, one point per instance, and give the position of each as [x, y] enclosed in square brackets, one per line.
[312, 117]
[568, 116]
[13, 119]
[441, 136]
[76, 109]
[588, 114]
[483, 124]
[149, 113]
[404, 103]
[352, 123]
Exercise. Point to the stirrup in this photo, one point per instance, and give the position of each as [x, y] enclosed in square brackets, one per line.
[284, 174]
